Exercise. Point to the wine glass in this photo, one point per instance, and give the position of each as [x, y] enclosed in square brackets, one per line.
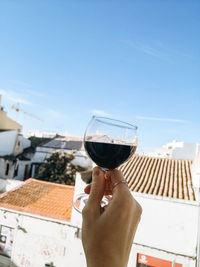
[109, 143]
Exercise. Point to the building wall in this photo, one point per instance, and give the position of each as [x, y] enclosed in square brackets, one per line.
[158, 254]
[11, 143]
[177, 150]
[7, 123]
[187, 151]
[8, 169]
[7, 142]
[8, 184]
[167, 230]
[168, 224]
[25, 142]
[38, 241]
[24, 167]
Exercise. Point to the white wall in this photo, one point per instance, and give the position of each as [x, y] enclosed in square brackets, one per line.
[187, 151]
[7, 142]
[177, 150]
[12, 166]
[168, 224]
[21, 169]
[38, 241]
[18, 149]
[76, 218]
[3, 167]
[11, 143]
[25, 142]
[8, 184]
[167, 230]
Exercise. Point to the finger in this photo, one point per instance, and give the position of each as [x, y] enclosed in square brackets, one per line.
[97, 188]
[87, 189]
[108, 187]
[107, 191]
[122, 199]
[116, 176]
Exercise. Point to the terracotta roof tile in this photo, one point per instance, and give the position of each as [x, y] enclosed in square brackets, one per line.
[159, 176]
[41, 198]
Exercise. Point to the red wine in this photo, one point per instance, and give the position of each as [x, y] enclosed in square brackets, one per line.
[108, 156]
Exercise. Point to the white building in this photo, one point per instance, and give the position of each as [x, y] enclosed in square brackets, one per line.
[35, 229]
[60, 143]
[12, 143]
[168, 233]
[168, 190]
[13, 165]
[177, 150]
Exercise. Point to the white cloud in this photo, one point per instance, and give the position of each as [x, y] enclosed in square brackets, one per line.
[99, 112]
[15, 97]
[160, 119]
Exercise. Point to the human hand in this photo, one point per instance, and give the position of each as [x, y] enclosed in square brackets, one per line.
[107, 235]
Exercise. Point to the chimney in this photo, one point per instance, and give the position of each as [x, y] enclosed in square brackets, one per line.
[195, 173]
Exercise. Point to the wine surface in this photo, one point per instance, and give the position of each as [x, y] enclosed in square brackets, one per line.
[108, 156]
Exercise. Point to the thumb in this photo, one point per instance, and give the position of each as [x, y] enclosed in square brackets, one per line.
[97, 188]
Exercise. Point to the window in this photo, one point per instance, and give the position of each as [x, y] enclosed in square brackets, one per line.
[7, 169]
[16, 171]
[26, 171]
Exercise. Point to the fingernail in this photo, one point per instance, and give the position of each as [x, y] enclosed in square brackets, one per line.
[96, 173]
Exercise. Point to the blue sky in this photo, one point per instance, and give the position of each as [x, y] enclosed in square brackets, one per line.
[137, 61]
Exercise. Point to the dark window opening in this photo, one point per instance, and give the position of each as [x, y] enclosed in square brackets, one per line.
[7, 169]
[26, 172]
[16, 171]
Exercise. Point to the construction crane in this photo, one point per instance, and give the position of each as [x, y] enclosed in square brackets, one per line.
[17, 109]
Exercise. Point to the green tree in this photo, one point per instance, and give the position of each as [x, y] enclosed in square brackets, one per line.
[59, 169]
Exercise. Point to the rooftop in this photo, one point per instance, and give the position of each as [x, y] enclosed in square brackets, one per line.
[159, 176]
[40, 198]
[65, 144]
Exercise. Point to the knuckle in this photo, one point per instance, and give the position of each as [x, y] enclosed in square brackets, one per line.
[131, 203]
[138, 208]
[88, 212]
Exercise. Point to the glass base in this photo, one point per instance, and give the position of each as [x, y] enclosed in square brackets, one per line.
[79, 202]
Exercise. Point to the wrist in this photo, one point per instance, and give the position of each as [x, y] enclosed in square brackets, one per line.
[103, 262]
